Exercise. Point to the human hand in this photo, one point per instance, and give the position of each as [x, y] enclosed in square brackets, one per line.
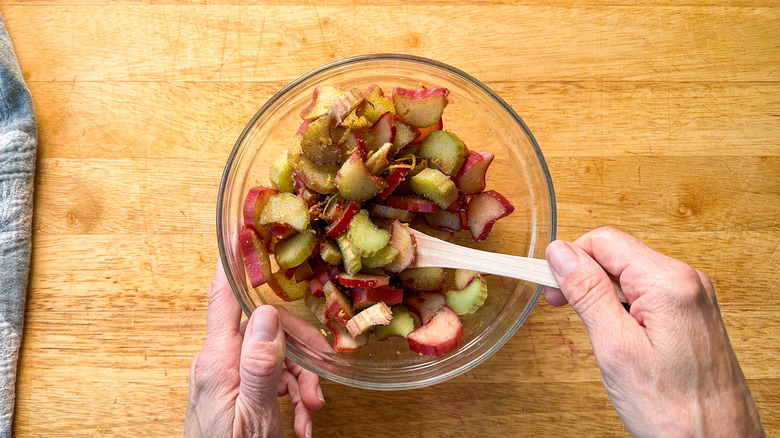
[236, 378]
[667, 365]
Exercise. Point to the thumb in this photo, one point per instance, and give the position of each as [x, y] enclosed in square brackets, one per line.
[587, 288]
[262, 356]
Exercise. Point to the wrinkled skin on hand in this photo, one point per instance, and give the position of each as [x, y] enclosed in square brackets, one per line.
[236, 379]
[667, 365]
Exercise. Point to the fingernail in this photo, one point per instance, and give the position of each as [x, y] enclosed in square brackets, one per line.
[319, 394]
[308, 429]
[562, 258]
[266, 324]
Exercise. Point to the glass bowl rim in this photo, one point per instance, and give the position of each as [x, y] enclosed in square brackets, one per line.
[388, 386]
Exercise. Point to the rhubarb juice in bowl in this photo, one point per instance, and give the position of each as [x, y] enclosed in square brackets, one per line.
[324, 181]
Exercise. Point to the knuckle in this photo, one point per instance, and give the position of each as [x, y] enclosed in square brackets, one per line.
[260, 365]
[589, 290]
[607, 234]
[689, 287]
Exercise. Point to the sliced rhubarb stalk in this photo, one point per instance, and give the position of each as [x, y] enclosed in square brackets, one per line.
[463, 277]
[425, 305]
[303, 272]
[468, 300]
[343, 342]
[295, 250]
[363, 280]
[484, 210]
[329, 251]
[382, 258]
[445, 219]
[420, 108]
[315, 285]
[393, 179]
[471, 177]
[320, 178]
[415, 204]
[281, 231]
[378, 314]
[383, 131]
[423, 226]
[439, 336]
[386, 212]
[378, 161]
[302, 128]
[280, 173]
[316, 304]
[349, 255]
[444, 151]
[255, 255]
[317, 144]
[423, 279]
[365, 236]
[402, 240]
[288, 289]
[355, 183]
[404, 135]
[323, 97]
[435, 186]
[338, 305]
[343, 105]
[356, 118]
[285, 209]
[342, 222]
[363, 298]
[377, 103]
[400, 325]
[253, 204]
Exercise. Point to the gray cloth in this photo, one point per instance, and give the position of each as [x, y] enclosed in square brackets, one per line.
[18, 141]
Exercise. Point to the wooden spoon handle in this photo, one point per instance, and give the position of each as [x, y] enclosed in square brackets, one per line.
[432, 252]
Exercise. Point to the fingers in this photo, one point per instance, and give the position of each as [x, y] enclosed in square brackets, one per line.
[309, 383]
[224, 312]
[554, 297]
[289, 384]
[614, 250]
[262, 355]
[588, 289]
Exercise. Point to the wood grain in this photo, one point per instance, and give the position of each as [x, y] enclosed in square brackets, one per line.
[661, 119]
[251, 43]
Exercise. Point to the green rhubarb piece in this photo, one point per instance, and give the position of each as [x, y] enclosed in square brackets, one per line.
[355, 182]
[423, 279]
[291, 290]
[377, 104]
[365, 236]
[382, 257]
[285, 208]
[352, 264]
[319, 177]
[435, 186]
[317, 144]
[401, 324]
[326, 96]
[330, 252]
[378, 161]
[295, 250]
[444, 151]
[280, 174]
[356, 118]
[468, 300]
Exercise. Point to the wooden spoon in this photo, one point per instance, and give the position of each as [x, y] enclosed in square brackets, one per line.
[432, 252]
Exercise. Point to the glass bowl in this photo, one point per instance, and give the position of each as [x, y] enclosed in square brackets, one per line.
[483, 121]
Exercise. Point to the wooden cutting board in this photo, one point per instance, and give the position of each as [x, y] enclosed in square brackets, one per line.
[662, 119]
